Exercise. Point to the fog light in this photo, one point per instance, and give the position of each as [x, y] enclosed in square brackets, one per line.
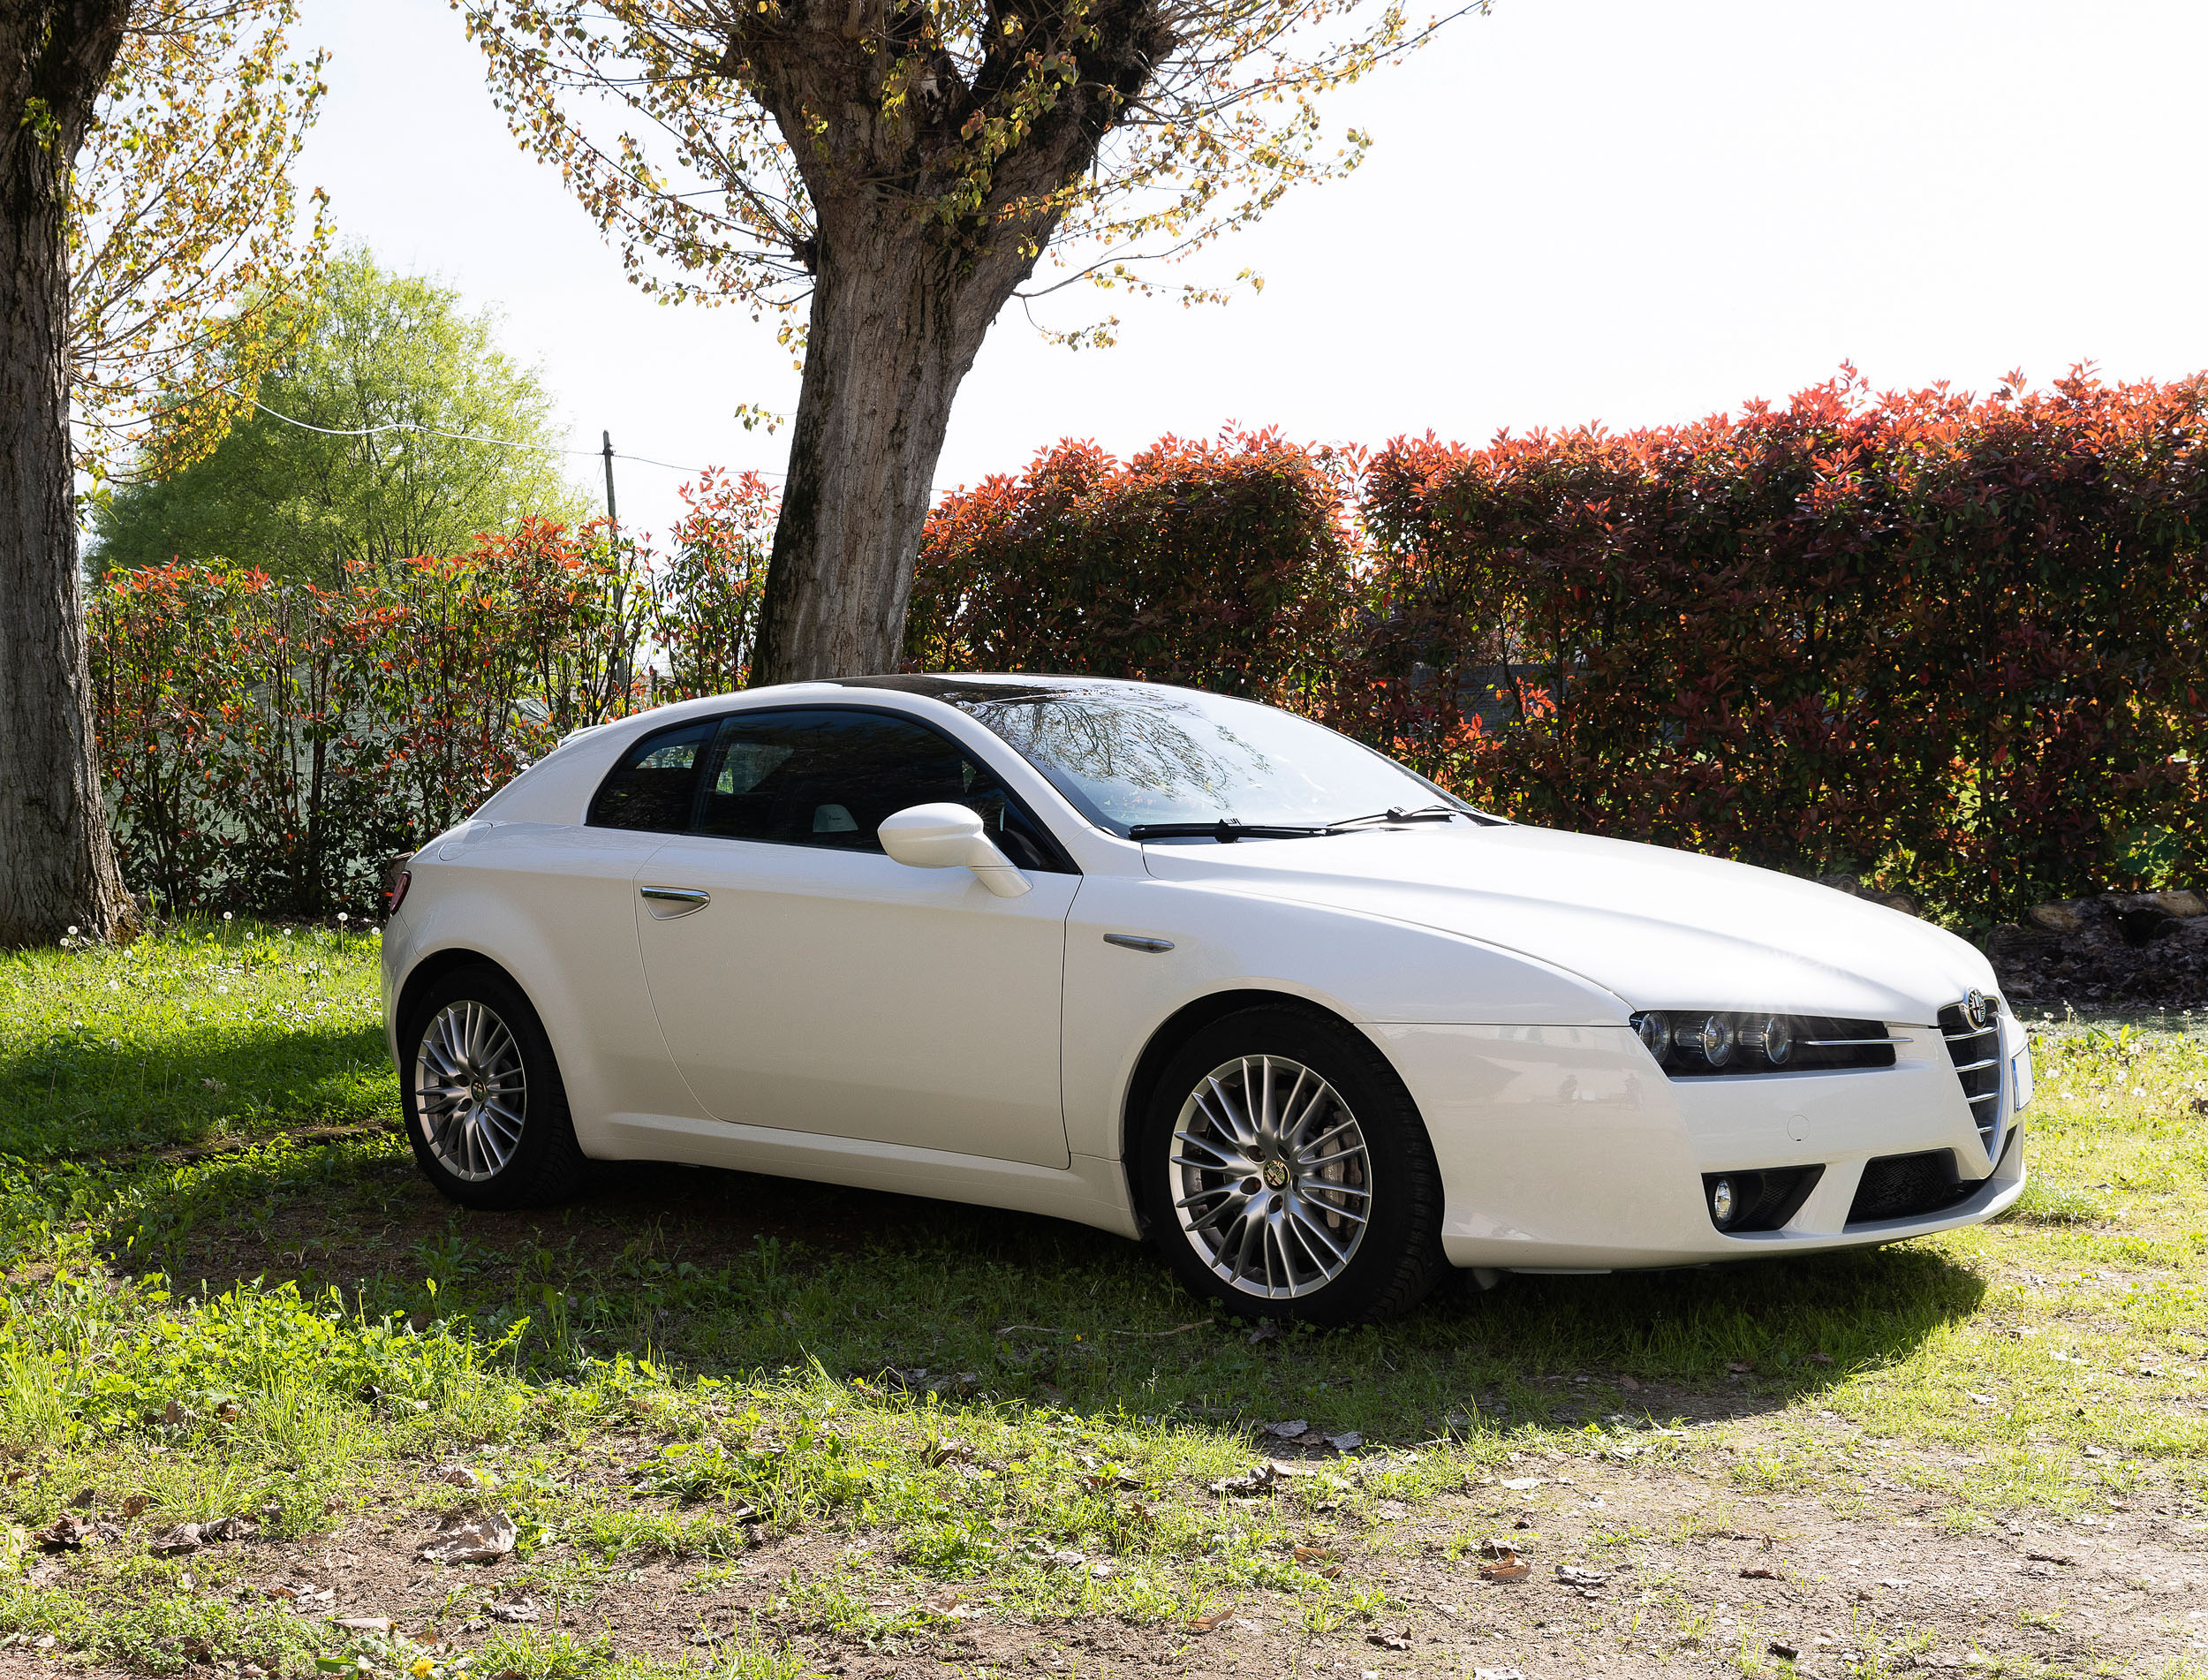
[1713, 1038]
[1774, 1037]
[1655, 1030]
[1721, 1201]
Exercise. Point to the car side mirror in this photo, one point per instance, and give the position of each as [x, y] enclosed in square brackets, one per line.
[948, 837]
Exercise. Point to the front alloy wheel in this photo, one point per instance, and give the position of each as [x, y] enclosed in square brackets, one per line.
[1272, 1176]
[1285, 1172]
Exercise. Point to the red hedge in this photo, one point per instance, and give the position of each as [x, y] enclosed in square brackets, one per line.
[1221, 565]
[1953, 644]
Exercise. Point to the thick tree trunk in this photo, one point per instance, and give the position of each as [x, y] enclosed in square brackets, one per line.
[896, 320]
[57, 866]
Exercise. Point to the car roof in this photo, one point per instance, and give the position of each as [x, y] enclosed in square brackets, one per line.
[955, 686]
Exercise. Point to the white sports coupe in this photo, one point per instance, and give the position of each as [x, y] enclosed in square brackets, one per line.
[1187, 968]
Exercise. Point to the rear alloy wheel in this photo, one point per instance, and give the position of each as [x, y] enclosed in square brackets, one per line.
[485, 1109]
[1286, 1174]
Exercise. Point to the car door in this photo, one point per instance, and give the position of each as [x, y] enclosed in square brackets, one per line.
[806, 981]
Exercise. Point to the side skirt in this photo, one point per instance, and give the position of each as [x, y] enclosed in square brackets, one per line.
[1093, 1190]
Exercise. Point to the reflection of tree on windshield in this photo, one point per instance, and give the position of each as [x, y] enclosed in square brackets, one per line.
[1143, 750]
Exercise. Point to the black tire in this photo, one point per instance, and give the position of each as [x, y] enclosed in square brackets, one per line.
[1395, 1256]
[543, 1164]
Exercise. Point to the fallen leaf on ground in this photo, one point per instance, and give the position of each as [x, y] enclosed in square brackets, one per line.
[66, 1534]
[2052, 1557]
[1497, 1549]
[1508, 1567]
[1628, 1385]
[472, 1539]
[1262, 1480]
[1522, 1484]
[135, 1506]
[1572, 1574]
[185, 1537]
[459, 1475]
[514, 1610]
[1784, 1653]
[1980, 1399]
[1216, 1619]
[1497, 1674]
[1288, 1431]
[364, 1623]
[1348, 1441]
[1737, 1368]
[228, 1528]
[1760, 1574]
[1390, 1641]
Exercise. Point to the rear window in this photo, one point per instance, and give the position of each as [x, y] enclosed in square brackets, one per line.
[655, 785]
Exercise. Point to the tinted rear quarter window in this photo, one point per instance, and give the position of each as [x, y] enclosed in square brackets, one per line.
[655, 785]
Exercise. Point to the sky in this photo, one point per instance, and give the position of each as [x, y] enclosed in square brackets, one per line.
[1575, 211]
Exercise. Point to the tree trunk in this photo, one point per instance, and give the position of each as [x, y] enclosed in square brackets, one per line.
[898, 314]
[57, 866]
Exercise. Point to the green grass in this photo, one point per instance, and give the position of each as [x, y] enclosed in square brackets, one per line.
[208, 1033]
[941, 1401]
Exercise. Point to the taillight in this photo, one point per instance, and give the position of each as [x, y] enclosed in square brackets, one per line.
[397, 891]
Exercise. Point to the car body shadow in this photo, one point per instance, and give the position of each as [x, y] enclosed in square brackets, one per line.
[735, 1276]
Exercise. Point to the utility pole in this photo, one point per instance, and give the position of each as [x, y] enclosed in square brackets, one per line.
[619, 660]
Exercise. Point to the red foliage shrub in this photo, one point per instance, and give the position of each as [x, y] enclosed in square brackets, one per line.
[273, 745]
[705, 595]
[1222, 565]
[1954, 642]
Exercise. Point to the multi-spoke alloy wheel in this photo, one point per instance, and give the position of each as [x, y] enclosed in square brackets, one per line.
[1272, 1181]
[1286, 1173]
[471, 1090]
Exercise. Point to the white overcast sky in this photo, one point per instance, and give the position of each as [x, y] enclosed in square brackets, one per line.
[1576, 211]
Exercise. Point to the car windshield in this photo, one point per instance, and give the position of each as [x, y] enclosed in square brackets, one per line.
[1131, 757]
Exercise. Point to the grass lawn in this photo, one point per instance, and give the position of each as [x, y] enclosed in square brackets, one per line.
[740, 1426]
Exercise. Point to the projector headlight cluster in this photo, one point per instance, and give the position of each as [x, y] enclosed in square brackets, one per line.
[1697, 1043]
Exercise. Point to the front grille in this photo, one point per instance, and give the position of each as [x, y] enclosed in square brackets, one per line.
[1977, 1054]
[1907, 1187]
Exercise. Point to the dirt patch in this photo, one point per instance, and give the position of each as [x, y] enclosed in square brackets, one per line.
[1639, 1571]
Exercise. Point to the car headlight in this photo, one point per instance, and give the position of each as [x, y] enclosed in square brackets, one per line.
[1686, 1043]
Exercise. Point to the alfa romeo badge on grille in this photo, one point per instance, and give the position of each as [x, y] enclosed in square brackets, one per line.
[1974, 1007]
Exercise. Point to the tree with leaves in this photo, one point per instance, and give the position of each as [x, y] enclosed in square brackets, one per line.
[394, 388]
[148, 240]
[896, 168]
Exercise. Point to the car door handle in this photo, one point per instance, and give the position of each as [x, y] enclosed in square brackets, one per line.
[1138, 942]
[670, 902]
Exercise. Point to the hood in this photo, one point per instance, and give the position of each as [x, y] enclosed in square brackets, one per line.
[1661, 929]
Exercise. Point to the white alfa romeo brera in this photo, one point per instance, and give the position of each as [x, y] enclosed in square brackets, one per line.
[1182, 967]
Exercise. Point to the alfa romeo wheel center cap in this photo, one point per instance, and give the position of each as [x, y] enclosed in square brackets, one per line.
[1276, 1175]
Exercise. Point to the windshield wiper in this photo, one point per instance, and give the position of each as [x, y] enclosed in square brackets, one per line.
[1226, 830]
[1397, 813]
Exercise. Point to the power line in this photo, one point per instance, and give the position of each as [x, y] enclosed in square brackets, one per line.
[503, 442]
[471, 437]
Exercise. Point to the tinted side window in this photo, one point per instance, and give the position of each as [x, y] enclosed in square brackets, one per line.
[829, 777]
[655, 785]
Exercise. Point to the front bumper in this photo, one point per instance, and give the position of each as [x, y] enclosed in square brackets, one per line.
[1568, 1149]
